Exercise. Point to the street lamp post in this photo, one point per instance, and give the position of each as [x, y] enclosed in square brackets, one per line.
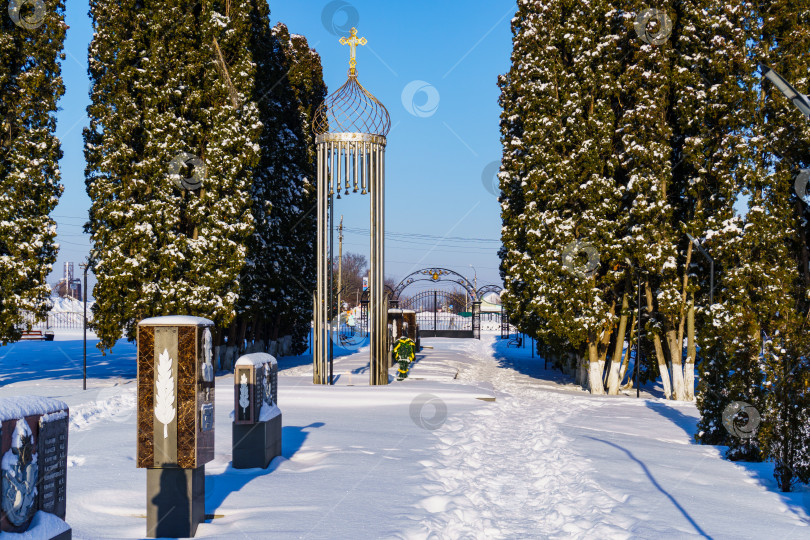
[475, 283]
[801, 101]
[638, 337]
[84, 267]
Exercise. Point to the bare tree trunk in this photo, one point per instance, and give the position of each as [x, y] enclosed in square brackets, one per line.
[582, 371]
[676, 354]
[691, 351]
[615, 363]
[676, 344]
[258, 338]
[603, 345]
[659, 349]
[594, 369]
[626, 358]
[230, 349]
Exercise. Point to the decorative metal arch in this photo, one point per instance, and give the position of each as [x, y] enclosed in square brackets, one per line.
[386, 287]
[488, 289]
[436, 275]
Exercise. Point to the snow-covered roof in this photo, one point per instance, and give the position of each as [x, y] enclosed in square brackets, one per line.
[487, 307]
[12, 408]
[401, 311]
[177, 320]
[256, 359]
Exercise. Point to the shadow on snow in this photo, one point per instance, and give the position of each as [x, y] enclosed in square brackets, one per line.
[219, 486]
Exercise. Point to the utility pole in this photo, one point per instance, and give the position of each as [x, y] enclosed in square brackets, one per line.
[84, 266]
[475, 284]
[340, 270]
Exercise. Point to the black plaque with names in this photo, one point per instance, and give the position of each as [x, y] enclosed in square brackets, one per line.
[52, 450]
[258, 393]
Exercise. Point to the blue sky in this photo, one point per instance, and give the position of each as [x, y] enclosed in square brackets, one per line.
[433, 64]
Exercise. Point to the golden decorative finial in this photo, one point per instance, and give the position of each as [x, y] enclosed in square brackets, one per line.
[353, 42]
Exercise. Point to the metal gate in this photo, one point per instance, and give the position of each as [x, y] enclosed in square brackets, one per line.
[438, 315]
[504, 324]
[476, 320]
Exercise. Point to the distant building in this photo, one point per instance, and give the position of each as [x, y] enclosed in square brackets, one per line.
[68, 286]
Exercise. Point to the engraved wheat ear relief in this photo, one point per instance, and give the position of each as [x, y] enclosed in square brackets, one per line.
[164, 392]
[244, 399]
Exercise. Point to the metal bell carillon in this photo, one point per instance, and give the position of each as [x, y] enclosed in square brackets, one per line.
[351, 127]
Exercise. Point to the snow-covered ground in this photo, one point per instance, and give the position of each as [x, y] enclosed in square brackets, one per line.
[69, 305]
[479, 441]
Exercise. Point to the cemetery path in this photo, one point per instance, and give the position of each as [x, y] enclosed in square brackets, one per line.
[542, 488]
[584, 466]
[480, 441]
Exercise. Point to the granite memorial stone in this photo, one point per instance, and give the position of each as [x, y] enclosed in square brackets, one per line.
[33, 467]
[257, 418]
[175, 420]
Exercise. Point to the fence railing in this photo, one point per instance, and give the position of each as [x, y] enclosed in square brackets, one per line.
[59, 319]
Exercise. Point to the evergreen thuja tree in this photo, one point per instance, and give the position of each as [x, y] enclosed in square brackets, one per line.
[305, 74]
[30, 86]
[517, 112]
[170, 79]
[531, 92]
[559, 200]
[758, 343]
[715, 162]
[643, 150]
[784, 306]
[280, 273]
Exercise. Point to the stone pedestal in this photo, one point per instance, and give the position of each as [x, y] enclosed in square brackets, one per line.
[175, 501]
[44, 526]
[255, 445]
[257, 418]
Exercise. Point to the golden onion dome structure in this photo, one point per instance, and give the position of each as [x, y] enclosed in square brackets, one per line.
[350, 129]
[352, 108]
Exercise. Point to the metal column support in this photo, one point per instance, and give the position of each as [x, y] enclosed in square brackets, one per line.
[339, 168]
[378, 374]
[321, 324]
[351, 126]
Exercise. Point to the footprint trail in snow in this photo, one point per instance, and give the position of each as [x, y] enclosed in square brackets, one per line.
[542, 490]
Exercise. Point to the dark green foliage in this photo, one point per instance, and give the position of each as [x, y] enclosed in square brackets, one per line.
[214, 81]
[629, 146]
[161, 88]
[280, 275]
[30, 86]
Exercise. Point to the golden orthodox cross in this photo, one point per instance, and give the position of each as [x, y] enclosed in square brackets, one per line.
[353, 42]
